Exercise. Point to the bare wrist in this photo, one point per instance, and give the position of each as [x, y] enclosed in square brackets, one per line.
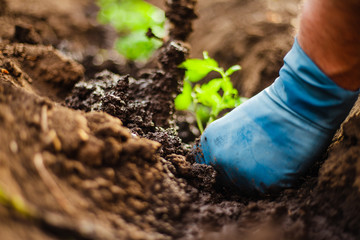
[329, 34]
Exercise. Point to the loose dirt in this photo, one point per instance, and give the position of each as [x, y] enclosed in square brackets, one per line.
[89, 143]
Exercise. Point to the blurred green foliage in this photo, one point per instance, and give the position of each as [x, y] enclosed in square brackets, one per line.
[132, 19]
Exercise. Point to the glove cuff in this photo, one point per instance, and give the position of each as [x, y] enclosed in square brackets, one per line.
[307, 91]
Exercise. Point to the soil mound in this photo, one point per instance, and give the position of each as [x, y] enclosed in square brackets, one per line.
[41, 69]
[97, 173]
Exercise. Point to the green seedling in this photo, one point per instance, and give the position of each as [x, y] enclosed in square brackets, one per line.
[132, 19]
[209, 99]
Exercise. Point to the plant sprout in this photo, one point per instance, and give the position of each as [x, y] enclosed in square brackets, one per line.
[209, 99]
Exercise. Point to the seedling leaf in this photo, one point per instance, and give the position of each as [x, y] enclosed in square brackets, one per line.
[232, 69]
[208, 97]
[183, 100]
[197, 69]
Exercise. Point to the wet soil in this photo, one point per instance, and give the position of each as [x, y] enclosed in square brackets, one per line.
[89, 149]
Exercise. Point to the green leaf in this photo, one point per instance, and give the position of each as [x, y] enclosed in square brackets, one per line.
[229, 102]
[197, 69]
[214, 84]
[212, 87]
[132, 19]
[227, 86]
[183, 100]
[136, 46]
[207, 99]
[232, 69]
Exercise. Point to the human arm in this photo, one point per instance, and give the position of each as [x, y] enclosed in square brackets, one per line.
[330, 36]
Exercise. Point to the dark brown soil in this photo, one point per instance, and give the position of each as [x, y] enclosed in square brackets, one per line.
[99, 172]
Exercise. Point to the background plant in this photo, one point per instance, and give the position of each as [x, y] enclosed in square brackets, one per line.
[209, 99]
[132, 19]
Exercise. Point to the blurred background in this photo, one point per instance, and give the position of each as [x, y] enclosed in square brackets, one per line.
[255, 34]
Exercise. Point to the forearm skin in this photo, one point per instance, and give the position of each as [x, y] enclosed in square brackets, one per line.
[330, 35]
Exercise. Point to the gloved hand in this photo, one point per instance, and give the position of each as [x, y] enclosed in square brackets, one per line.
[269, 141]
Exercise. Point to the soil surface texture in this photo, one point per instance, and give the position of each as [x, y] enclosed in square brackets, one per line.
[92, 148]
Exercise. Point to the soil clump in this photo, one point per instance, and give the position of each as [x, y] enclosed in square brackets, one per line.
[93, 154]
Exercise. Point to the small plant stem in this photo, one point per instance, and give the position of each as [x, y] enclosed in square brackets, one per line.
[200, 125]
[215, 112]
[198, 119]
[211, 119]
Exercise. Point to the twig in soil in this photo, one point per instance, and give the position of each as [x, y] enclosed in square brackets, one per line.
[51, 184]
[150, 34]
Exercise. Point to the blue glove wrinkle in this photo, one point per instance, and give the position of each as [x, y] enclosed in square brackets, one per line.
[326, 104]
[273, 138]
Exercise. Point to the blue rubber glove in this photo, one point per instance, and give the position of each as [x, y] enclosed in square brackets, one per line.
[269, 141]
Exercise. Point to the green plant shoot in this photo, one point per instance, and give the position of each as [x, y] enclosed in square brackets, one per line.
[132, 19]
[209, 99]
